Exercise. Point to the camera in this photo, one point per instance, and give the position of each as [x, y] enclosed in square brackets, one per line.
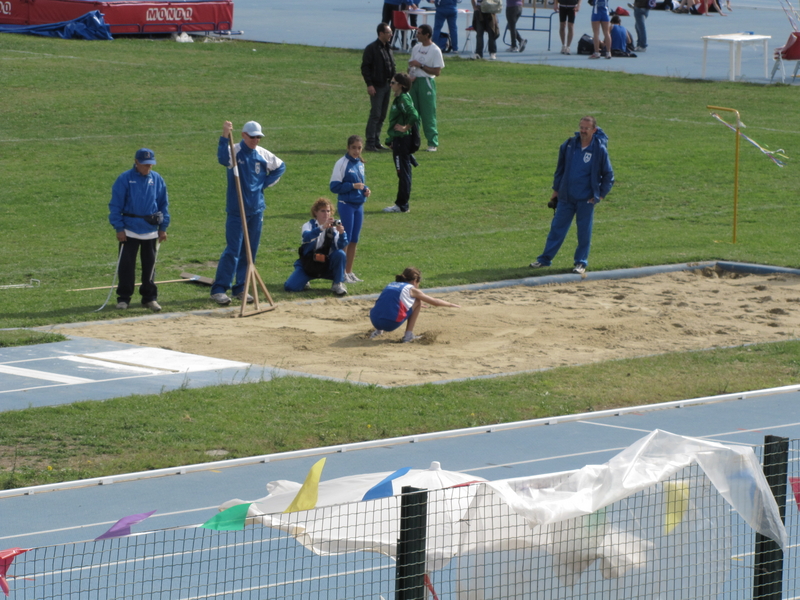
[336, 222]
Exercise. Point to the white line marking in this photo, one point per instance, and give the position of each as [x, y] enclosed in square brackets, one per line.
[101, 523]
[534, 460]
[42, 375]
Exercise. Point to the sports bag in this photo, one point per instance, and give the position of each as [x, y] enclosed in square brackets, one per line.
[491, 6]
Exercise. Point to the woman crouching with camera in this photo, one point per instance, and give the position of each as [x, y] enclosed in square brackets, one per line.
[321, 252]
[401, 301]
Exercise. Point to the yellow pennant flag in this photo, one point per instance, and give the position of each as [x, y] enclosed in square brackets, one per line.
[306, 498]
[676, 498]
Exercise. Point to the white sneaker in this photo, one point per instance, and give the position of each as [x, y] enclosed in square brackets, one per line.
[392, 208]
[306, 287]
[475, 57]
[239, 297]
[579, 268]
[432, 149]
[339, 289]
[154, 306]
[221, 298]
[352, 278]
[375, 334]
[410, 337]
[492, 56]
[639, 49]
[122, 306]
[566, 50]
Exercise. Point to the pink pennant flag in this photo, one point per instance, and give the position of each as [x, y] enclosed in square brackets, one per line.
[6, 558]
[795, 483]
[123, 527]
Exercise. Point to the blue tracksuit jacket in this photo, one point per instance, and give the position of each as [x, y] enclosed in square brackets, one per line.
[136, 194]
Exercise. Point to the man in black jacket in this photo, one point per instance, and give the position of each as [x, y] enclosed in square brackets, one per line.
[377, 69]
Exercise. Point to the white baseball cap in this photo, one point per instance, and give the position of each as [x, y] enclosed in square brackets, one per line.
[252, 129]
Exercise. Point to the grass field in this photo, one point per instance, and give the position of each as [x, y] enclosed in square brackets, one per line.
[75, 112]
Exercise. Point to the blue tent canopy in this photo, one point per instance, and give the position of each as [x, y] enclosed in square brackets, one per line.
[90, 26]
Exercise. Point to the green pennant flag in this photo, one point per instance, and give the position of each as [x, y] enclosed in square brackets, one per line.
[306, 498]
[231, 519]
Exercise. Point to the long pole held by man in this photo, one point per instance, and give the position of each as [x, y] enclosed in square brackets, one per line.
[251, 170]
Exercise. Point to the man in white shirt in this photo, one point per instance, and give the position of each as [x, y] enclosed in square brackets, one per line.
[425, 64]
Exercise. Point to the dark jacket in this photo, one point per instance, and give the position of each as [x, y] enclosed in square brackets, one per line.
[377, 64]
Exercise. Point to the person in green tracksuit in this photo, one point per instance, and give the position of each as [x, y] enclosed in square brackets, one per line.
[425, 64]
[402, 118]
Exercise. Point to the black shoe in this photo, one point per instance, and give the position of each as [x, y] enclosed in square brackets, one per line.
[371, 149]
[380, 146]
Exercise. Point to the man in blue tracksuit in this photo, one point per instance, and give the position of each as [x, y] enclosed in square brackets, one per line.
[258, 169]
[139, 213]
[583, 177]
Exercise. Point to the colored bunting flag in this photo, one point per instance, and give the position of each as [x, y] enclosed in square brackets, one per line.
[384, 489]
[306, 498]
[795, 483]
[123, 527]
[232, 519]
[6, 558]
[676, 498]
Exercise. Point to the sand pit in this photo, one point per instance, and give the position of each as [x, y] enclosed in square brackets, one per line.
[496, 331]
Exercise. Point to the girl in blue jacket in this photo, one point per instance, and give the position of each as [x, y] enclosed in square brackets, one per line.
[400, 302]
[349, 182]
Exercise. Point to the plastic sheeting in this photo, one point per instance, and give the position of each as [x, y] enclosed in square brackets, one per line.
[90, 26]
[733, 470]
[562, 516]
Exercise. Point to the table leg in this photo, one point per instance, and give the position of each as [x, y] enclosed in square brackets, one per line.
[766, 67]
[732, 62]
[705, 52]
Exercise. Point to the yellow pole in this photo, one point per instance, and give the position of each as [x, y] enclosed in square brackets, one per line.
[735, 166]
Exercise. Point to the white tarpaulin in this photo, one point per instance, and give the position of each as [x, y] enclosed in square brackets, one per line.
[733, 470]
[561, 515]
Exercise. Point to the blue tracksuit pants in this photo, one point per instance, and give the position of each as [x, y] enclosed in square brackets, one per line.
[583, 212]
[234, 257]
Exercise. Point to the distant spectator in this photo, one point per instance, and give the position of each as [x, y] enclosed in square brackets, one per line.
[566, 9]
[703, 7]
[446, 10]
[513, 13]
[402, 117]
[621, 40]
[484, 23]
[377, 69]
[424, 67]
[641, 9]
[349, 182]
[600, 21]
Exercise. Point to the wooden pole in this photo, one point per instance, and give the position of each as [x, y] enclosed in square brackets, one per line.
[252, 274]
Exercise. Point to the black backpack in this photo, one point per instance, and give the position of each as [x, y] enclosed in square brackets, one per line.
[586, 44]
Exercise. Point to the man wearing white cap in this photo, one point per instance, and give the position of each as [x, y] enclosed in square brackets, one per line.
[258, 169]
[139, 213]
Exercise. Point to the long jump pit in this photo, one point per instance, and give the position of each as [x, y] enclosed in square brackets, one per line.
[501, 328]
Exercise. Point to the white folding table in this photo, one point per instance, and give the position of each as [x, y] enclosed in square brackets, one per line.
[736, 41]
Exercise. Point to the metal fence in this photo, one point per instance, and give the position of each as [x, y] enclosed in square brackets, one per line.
[678, 540]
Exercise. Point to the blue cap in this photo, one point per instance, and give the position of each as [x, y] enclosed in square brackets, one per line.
[145, 156]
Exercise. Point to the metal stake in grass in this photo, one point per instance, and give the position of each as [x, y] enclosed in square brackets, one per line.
[252, 274]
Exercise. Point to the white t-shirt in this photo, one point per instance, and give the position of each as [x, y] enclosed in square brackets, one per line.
[428, 56]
